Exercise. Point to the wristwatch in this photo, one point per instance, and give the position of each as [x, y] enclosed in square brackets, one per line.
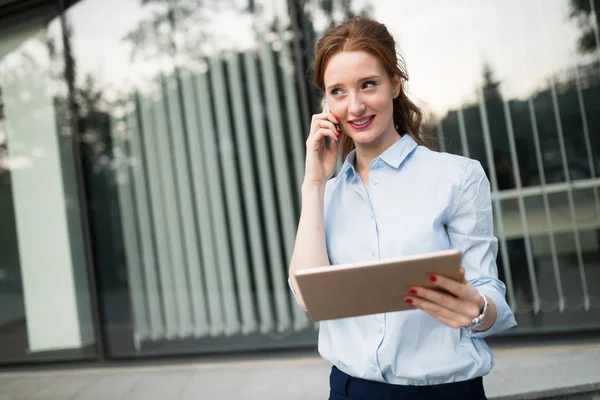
[478, 321]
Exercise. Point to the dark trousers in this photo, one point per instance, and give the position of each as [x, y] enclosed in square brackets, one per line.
[345, 387]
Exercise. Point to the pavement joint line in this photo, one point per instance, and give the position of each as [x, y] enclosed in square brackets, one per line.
[312, 360]
[163, 368]
[546, 349]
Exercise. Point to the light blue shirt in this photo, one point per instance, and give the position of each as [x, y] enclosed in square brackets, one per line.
[419, 201]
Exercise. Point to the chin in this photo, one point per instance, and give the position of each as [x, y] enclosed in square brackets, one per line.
[364, 137]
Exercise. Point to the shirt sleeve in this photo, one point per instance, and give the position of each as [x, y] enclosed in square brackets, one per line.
[471, 230]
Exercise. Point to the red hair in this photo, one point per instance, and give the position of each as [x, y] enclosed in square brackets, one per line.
[372, 37]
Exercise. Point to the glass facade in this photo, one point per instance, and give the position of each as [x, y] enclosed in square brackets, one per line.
[166, 142]
[46, 311]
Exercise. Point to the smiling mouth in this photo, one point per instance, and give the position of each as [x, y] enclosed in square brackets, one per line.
[362, 123]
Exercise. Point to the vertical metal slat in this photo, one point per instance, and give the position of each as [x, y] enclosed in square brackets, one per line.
[497, 206]
[128, 222]
[275, 122]
[232, 196]
[547, 212]
[524, 226]
[247, 164]
[159, 218]
[563, 154]
[138, 170]
[202, 206]
[294, 124]
[586, 134]
[440, 135]
[215, 182]
[463, 132]
[494, 182]
[295, 139]
[192, 267]
[175, 268]
[257, 110]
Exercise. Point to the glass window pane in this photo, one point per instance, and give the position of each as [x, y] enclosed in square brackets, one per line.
[194, 161]
[515, 85]
[46, 312]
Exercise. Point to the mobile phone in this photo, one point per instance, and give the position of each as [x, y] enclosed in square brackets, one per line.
[327, 109]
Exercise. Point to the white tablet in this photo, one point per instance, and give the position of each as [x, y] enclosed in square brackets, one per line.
[351, 290]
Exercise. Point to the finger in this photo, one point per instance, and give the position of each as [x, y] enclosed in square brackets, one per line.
[325, 116]
[459, 289]
[452, 318]
[317, 124]
[457, 305]
[449, 322]
[320, 134]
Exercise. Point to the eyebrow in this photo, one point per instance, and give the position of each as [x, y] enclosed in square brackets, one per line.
[360, 80]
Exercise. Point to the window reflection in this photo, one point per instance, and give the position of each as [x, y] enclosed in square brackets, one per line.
[43, 276]
[198, 119]
[516, 86]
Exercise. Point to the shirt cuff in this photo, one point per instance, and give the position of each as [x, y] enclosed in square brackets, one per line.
[294, 293]
[505, 318]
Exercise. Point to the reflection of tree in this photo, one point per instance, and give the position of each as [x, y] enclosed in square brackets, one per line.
[179, 28]
[333, 12]
[586, 14]
[491, 87]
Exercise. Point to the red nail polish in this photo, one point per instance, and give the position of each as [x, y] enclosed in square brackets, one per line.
[412, 291]
[408, 300]
[432, 278]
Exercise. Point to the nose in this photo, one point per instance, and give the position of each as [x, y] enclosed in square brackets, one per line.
[356, 106]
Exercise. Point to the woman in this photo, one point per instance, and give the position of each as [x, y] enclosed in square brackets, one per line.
[394, 197]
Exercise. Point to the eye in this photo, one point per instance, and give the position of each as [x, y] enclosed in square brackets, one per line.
[335, 91]
[369, 84]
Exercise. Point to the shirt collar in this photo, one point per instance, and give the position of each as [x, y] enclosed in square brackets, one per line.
[393, 155]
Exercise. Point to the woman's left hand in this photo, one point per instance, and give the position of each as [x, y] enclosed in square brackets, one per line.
[456, 308]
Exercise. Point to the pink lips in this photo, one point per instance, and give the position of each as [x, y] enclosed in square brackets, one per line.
[363, 126]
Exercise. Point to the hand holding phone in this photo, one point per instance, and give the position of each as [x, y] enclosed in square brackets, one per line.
[321, 159]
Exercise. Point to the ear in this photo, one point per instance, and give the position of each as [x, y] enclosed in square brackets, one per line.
[396, 86]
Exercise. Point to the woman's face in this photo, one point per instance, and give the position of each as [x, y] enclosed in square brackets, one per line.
[360, 94]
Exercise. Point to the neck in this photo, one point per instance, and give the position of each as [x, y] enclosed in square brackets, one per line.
[365, 153]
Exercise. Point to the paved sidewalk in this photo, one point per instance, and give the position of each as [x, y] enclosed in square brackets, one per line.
[520, 372]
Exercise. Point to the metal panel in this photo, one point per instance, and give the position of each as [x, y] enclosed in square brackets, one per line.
[547, 213]
[191, 268]
[228, 162]
[142, 208]
[463, 132]
[497, 206]
[215, 182]
[441, 138]
[563, 154]
[159, 218]
[251, 202]
[273, 238]
[202, 204]
[295, 140]
[175, 267]
[280, 161]
[130, 233]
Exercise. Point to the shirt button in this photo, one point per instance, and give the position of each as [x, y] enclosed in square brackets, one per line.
[375, 182]
[374, 370]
